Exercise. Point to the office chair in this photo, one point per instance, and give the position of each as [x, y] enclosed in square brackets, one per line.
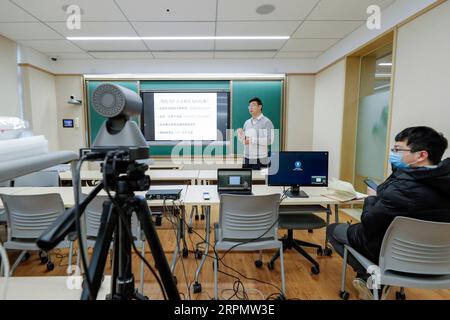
[28, 216]
[414, 254]
[297, 218]
[247, 223]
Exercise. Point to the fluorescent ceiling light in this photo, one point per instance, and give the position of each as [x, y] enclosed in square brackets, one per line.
[383, 75]
[176, 38]
[385, 64]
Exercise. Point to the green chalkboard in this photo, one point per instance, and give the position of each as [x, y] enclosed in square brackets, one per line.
[270, 93]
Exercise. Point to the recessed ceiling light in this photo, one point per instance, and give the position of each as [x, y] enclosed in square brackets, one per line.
[265, 9]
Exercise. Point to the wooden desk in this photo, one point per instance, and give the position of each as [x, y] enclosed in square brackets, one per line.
[47, 288]
[69, 199]
[210, 176]
[155, 175]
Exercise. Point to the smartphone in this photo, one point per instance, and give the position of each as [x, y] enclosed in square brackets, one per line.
[206, 196]
[371, 184]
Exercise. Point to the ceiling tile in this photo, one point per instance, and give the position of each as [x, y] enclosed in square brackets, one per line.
[345, 9]
[11, 13]
[256, 28]
[122, 55]
[55, 46]
[92, 10]
[174, 45]
[28, 31]
[170, 29]
[111, 45]
[298, 55]
[179, 10]
[326, 29]
[309, 44]
[244, 55]
[249, 44]
[70, 56]
[183, 55]
[244, 10]
[96, 29]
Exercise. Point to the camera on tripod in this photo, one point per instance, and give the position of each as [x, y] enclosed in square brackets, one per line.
[122, 148]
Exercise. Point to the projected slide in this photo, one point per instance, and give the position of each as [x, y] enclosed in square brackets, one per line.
[185, 116]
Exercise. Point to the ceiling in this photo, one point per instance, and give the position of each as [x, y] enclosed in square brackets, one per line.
[313, 26]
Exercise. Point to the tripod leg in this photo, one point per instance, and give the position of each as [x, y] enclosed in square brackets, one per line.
[100, 254]
[148, 227]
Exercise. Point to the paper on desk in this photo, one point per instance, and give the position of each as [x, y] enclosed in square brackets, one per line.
[343, 191]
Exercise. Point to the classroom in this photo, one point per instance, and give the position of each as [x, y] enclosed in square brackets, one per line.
[224, 150]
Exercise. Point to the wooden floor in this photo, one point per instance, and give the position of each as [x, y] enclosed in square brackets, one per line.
[300, 283]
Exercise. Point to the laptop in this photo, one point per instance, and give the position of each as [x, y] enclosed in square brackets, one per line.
[234, 181]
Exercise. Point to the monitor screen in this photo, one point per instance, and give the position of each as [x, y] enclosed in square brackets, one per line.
[234, 179]
[302, 169]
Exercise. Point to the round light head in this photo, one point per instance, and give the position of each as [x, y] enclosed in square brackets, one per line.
[111, 100]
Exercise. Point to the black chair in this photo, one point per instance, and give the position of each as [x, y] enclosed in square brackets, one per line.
[298, 218]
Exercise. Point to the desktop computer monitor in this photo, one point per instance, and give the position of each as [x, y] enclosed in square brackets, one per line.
[298, 169]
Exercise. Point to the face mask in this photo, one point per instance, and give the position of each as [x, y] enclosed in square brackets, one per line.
[396, 160]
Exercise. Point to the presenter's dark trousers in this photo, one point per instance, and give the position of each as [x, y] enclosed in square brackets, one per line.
[255, 164]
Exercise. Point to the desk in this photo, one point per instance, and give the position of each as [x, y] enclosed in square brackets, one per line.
[69, 201]
[155, 175]
[210, 176]
[315, 203]
[47, 288]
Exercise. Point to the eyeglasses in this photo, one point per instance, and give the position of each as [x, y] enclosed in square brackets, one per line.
[397, 150]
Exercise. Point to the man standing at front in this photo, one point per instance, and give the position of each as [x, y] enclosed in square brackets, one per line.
[257, 135]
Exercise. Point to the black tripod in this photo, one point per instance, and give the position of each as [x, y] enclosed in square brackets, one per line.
[123, 175]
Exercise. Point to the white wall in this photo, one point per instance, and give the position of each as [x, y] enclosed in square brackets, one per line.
[329, 114]
[422, 75]
[9, 103]
[70, 138]
[40, 104]
[299, 112]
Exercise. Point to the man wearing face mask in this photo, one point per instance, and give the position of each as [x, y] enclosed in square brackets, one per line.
[256, 136]
[419, 188]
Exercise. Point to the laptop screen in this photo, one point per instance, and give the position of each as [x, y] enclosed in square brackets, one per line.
[234, 179]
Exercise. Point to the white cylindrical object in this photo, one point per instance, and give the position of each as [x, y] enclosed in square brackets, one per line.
[22, 148]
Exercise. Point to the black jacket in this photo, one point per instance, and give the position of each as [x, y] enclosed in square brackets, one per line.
[419, 193]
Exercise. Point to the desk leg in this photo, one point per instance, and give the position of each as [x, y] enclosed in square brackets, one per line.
[177, 247]
[197, 286]
[336, 213]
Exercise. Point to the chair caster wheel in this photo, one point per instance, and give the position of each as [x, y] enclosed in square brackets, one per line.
[190, 230]
[320, 252]
[158, 220]
[197, 287]
[270, 265]
[400, 296]
[328, 252]
[50, 266]
[258, 263]
[185, 252]
[344, 295]
[196, 217]
[310, 231]
[26, 256]
[202, 217]
[198, 254]
[44, 260]
[315, 270]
